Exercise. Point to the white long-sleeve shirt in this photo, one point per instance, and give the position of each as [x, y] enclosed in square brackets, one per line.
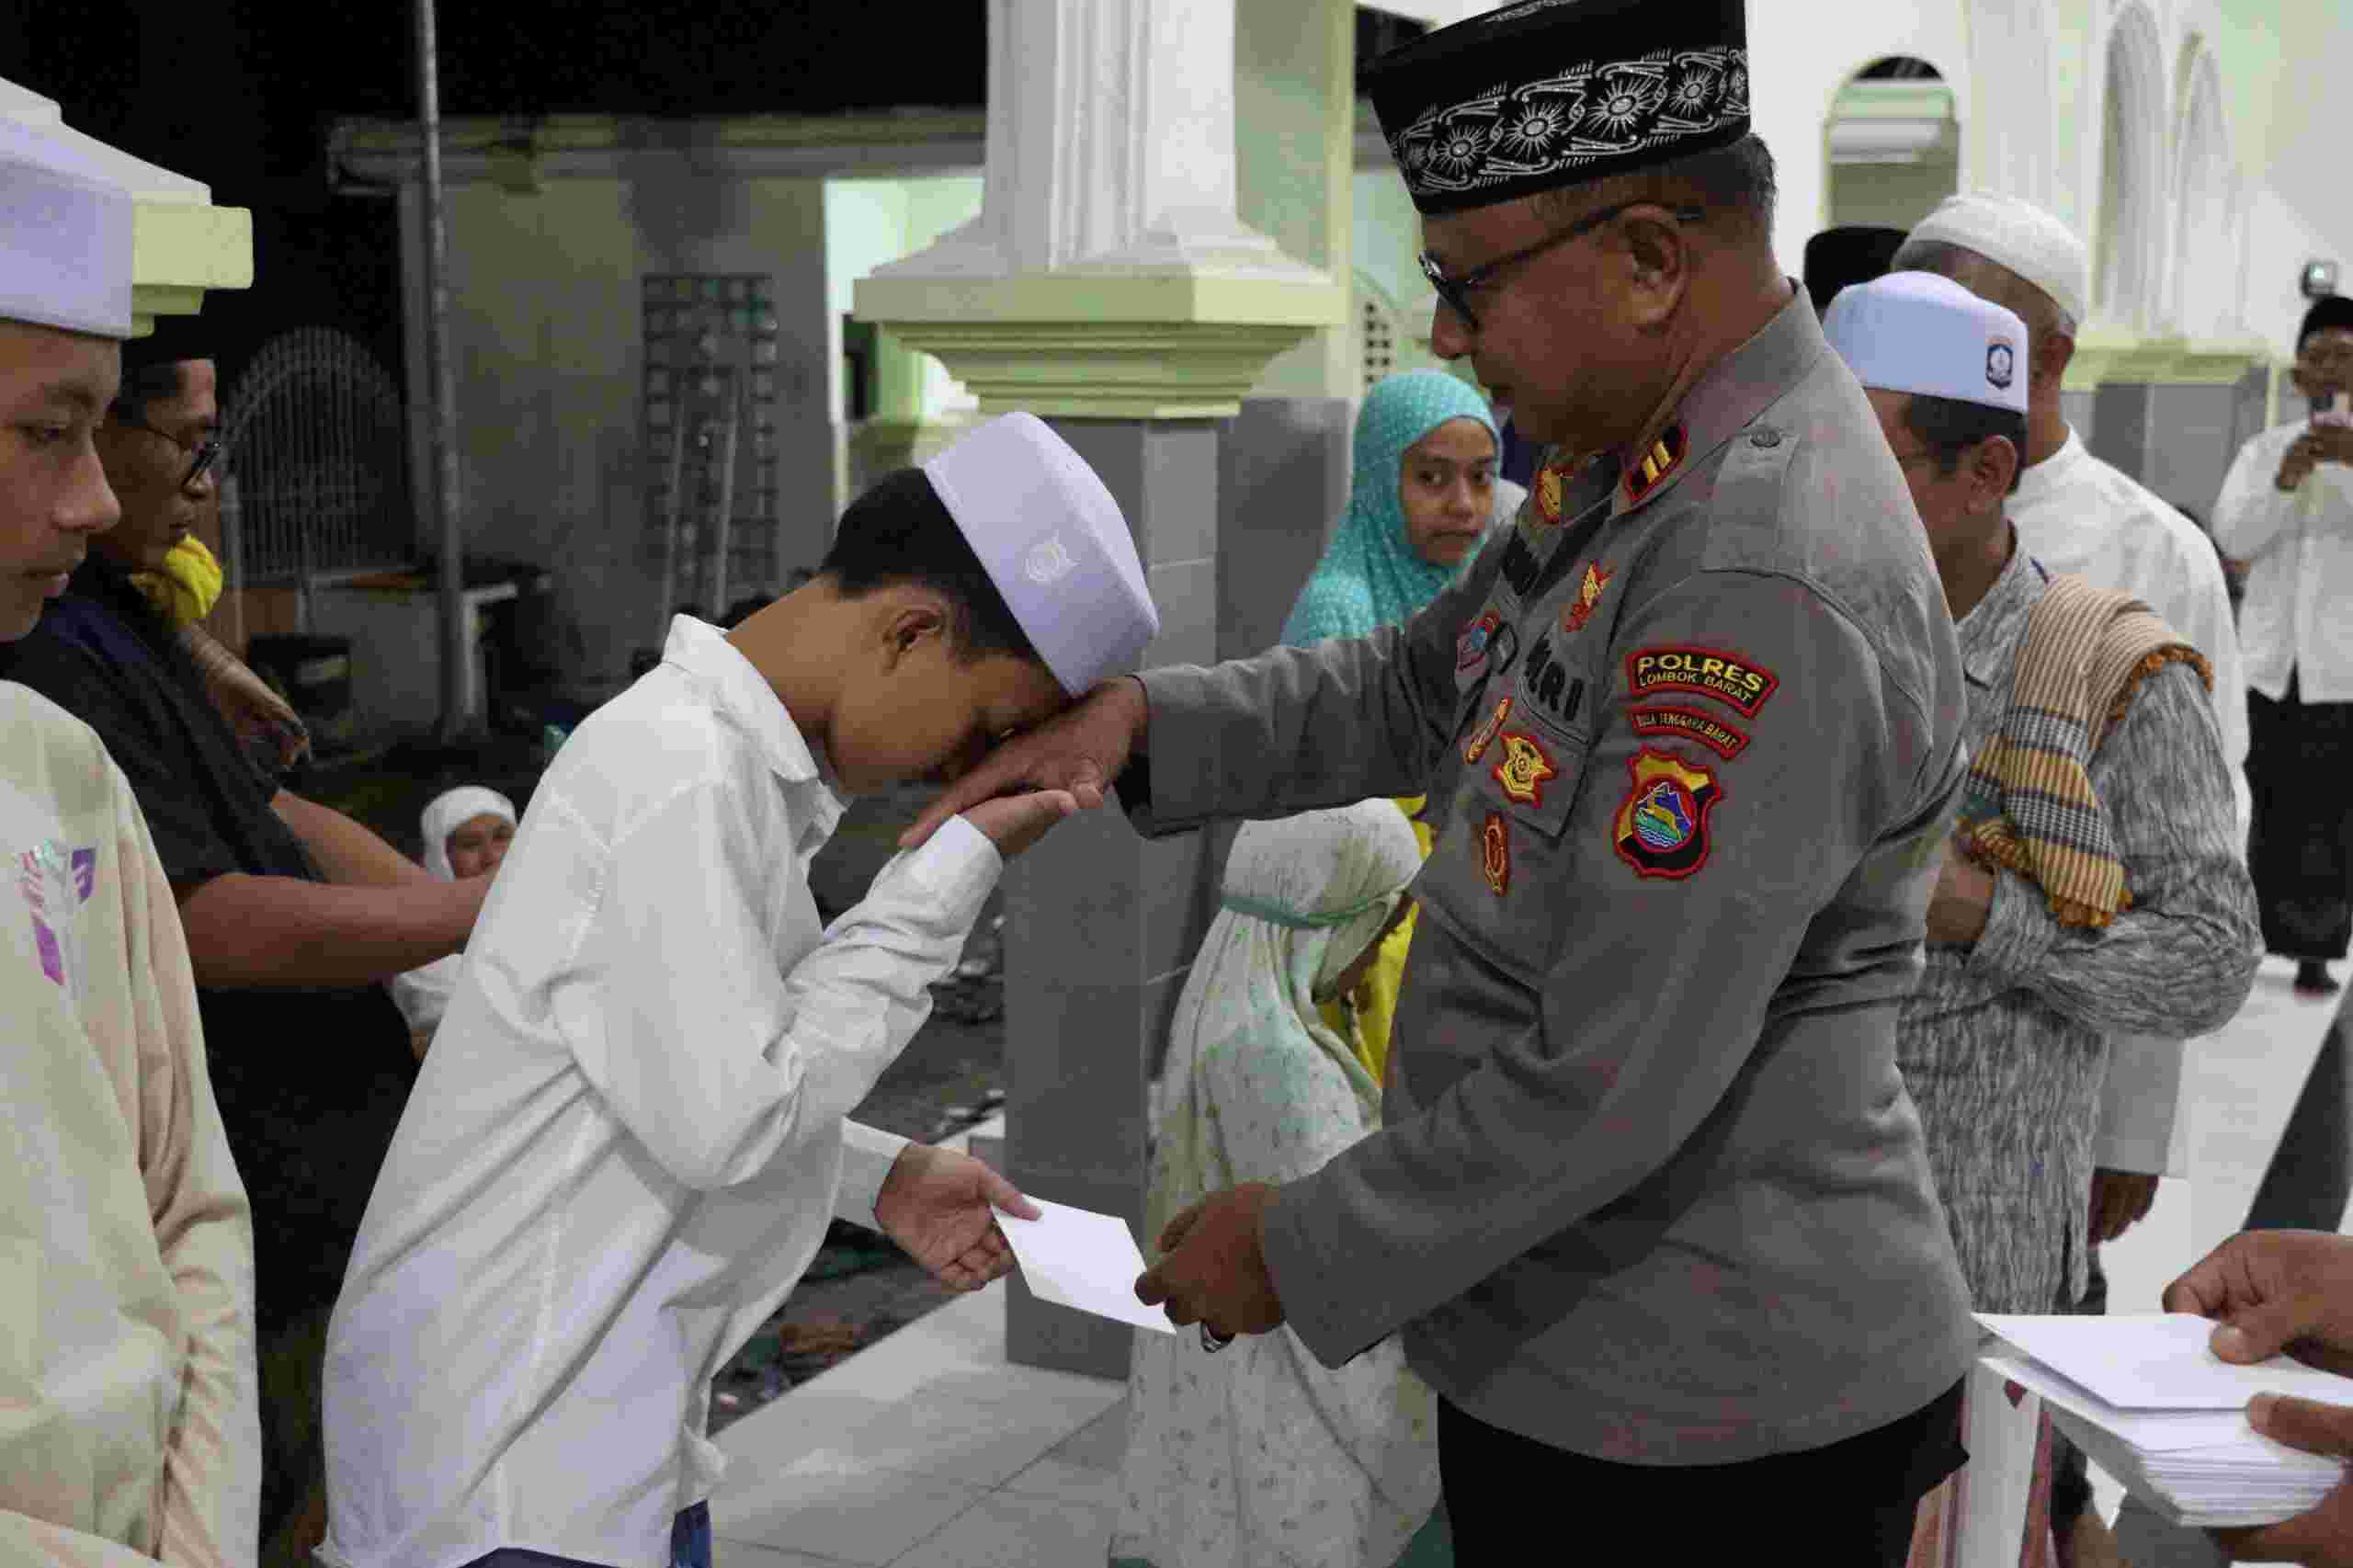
[628, 1139]
[2299, 611]
[129, 1428]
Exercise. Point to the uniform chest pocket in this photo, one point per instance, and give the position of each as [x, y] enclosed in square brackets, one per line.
[1498, 876]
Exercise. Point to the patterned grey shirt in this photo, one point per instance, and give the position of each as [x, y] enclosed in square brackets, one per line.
[2004, 1044]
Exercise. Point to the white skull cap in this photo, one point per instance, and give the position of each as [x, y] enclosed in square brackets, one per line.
[65, 237]
[2016, 234]
[1925, 335]
[1054, 541]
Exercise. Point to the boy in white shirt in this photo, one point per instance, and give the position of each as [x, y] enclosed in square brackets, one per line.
[629, 1137]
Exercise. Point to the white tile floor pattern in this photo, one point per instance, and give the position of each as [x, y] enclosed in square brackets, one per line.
[929, 1450]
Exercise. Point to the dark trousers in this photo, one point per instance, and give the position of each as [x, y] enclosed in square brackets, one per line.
[294, 1455]
[1850, 1504]
[2300, 849]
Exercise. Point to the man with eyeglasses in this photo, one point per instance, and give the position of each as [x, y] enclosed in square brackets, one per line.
[295, 914]
[2287, 510]
[1650, 1203]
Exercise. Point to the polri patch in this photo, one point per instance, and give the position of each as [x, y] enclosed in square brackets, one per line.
[1704, 672]
[1579, 609]
[1495, 853]
[1524, 769]
[1549, 684]
[1688, 724]
[1472, 646]
[1662, 825]
[1476, 746]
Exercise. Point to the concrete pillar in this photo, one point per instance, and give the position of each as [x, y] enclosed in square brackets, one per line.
[1103, 925]
[1108, 285]
[1294, 106]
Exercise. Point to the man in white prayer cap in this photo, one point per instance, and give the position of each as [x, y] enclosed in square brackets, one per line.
[628, 1139]
[132, 1431]
[2082, 516]
[2094, 887]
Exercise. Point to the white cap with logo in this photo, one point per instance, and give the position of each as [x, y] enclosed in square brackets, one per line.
[65, 237]
[1924, 333]
[1054, 543]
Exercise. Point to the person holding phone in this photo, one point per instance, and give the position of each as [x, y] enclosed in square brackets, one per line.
[2287, 511]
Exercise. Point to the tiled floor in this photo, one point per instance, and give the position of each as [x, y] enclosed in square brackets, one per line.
[930, 1451]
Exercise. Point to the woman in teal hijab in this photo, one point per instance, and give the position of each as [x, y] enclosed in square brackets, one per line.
[1421, 499]
[1424, 495]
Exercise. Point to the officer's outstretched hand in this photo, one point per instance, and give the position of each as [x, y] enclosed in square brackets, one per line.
[1213, 1266]
[2322, 1538]
[1080, 752]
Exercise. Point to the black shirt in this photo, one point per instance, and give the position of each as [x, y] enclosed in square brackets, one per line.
[311, 1082]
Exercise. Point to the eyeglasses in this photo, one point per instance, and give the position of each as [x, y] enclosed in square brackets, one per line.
[204, 455]
[1456, 291]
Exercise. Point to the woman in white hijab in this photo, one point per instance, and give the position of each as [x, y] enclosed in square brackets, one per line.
[466, 831]
[1260, 1455]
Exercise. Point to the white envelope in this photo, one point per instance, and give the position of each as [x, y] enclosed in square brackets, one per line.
[1079, 1258]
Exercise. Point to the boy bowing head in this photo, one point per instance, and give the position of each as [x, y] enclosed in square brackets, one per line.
[629, 1139]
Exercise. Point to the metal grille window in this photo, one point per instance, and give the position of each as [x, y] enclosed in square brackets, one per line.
[710, 454]
[317, 441]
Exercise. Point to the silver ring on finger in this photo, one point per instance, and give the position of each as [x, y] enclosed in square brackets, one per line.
[1212, 1340]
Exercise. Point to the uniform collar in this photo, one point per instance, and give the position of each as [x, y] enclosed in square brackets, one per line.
[1740, 387]
[1989, 633]
[739, 694]
[2041, 484]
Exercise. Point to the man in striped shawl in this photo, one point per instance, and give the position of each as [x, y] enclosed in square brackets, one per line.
[2092, 884]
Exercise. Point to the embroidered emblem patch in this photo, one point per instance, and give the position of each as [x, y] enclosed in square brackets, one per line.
[1548, 682]
[1664, 457]
[2001, 365]
[1476, 746]
[1688, 724]
[1472, 646]
[1495, 853]
[1578, 610]
[1703, 672]
[1550, 483]
[1524, 769]
[1662, 825]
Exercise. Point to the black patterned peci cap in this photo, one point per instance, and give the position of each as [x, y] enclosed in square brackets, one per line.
[1553, 93]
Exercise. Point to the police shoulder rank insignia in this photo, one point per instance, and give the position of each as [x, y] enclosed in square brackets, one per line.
[1551, 483]
[1662, 825]
[1524, 769]
[1704, 672]
[1688, 724]
[1472, 646]
[1579, 609]
[1656, 466]
[1476, 746]
[1495, 853]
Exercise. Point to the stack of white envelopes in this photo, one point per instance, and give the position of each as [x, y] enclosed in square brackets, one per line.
[2150, 1403]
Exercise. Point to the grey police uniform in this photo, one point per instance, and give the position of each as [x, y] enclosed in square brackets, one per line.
[1650, 1187]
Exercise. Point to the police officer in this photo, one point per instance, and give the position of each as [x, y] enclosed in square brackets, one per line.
[1651, 1204]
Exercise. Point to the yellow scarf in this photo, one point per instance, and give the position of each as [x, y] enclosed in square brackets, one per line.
[188, 587]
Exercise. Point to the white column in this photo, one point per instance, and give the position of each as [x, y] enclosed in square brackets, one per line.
[1107, 213]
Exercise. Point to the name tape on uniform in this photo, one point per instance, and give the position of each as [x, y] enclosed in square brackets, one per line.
[1688, 724]
[1549, 685]
[1703, 672]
